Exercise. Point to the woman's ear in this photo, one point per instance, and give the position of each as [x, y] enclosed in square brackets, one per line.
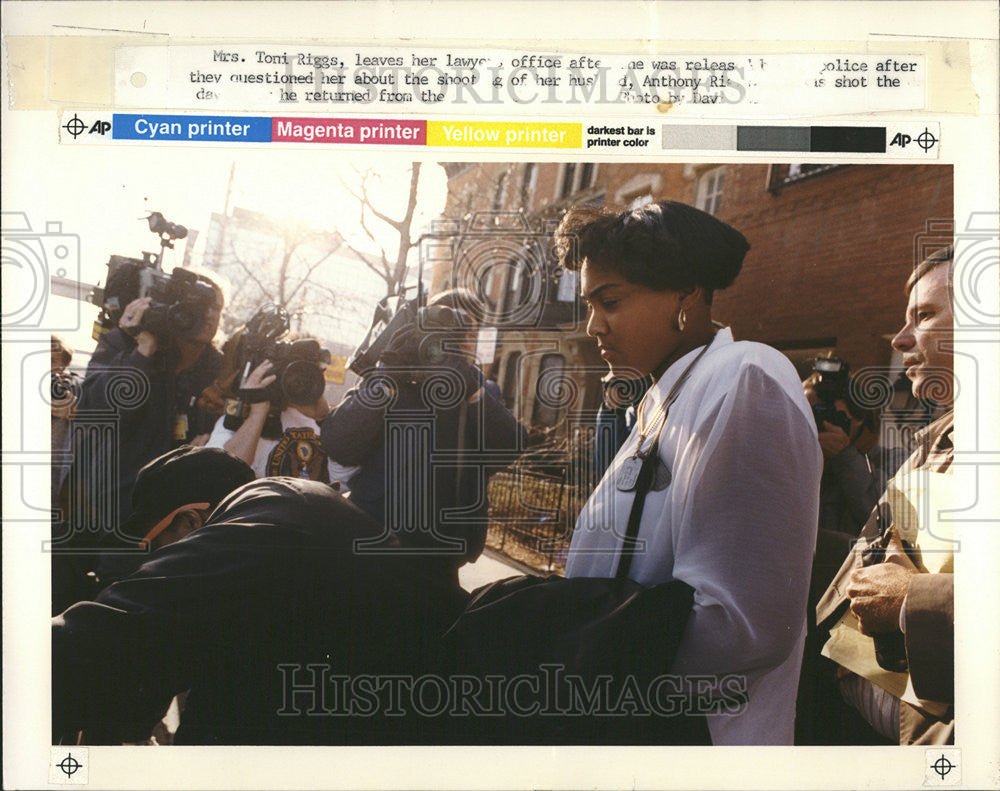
[693, 299]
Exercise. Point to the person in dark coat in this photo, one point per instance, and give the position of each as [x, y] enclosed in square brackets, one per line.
[265, 613]
[139, 399]
[426, 439]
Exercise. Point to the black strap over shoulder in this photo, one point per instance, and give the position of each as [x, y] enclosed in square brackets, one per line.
[630, 542]
[611, 637]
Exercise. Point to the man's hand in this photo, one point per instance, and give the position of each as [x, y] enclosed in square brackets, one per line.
[877, 592]
[253, 387]
[832, 440]
[131, 321]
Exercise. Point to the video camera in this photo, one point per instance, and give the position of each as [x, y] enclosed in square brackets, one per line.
[832, 381]
[296, 365]
[404, 334]
[180, 300]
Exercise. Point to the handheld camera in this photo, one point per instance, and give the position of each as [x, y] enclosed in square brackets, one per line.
[832, 381]
[296, 365]
[180, 300]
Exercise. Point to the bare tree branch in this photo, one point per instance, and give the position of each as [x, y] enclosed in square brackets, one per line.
[312, 268]
[250, 274]
[393, 271]
[384, 273]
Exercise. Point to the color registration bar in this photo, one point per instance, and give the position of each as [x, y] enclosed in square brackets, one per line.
[350, 131]
[504, 134]
[267, 129]
[191, 128]
[809, 139]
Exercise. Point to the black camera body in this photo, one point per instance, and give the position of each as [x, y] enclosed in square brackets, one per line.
[890, 647]
[299, 379]
[832, 381]
[429, 332]
[295, 365]
[180, 300]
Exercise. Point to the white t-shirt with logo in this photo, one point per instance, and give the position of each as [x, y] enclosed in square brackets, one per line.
[297, 453]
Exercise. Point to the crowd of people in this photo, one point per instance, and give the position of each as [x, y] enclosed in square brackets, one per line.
[252, 566]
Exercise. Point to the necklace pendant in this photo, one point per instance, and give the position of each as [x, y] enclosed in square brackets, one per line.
[628, 475]
[661, 477]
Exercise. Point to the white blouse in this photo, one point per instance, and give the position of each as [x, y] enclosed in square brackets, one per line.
[737, 523]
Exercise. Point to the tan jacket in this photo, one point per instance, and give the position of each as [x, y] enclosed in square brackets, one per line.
[928, 617]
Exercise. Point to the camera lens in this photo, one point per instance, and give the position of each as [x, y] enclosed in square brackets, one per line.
[159, 320]
[186, 319]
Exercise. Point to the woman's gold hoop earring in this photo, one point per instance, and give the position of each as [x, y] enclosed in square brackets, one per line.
[681, 320]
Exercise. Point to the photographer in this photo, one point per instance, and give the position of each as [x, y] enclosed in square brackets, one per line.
[280, 436]
[64, 389]
[150, 379]
[422, 436]
[855, 469]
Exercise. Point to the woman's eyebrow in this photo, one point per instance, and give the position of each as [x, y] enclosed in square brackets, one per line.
[594, 292]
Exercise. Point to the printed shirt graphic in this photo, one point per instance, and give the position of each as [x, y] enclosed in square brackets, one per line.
[297, 453]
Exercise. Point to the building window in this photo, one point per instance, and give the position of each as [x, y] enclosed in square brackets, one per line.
[782, 175]
[638, 201]
[528, 179]
[500, 194]
[708, 191]
[511, 379]
[800, 171]
[639, 190]
[576, 177]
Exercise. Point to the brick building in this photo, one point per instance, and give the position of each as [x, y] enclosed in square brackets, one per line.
[831, 246]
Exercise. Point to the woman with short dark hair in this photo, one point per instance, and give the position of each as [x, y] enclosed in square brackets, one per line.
[732, 505]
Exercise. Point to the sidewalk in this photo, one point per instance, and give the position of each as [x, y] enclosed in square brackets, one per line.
[490, 566]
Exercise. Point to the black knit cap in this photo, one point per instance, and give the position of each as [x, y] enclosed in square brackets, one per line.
[665, 245]
[180, 477]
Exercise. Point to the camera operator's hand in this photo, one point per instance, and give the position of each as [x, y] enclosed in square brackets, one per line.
[877, 592]
[131, 321]
[253, 387]
[832, 440]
